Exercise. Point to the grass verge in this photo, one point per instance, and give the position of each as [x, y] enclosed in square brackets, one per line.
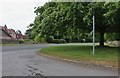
[13, 44]
[106, 56]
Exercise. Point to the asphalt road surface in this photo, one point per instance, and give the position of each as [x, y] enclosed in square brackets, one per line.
[23, 61]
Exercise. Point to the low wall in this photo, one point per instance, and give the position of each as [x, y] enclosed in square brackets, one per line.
[9, 42]
[116, 43]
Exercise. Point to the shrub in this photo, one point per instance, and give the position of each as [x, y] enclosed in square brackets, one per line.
[21, 41]
[58, 41]
[67, 40]
[42, 40]
[62, 41]
[37, 39]
[50, 39]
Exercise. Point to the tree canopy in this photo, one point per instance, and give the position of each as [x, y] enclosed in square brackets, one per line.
[73, 20]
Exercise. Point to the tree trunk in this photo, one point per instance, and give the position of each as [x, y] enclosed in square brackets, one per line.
[101, 39]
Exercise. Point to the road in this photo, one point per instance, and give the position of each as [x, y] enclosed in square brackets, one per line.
[23, 61]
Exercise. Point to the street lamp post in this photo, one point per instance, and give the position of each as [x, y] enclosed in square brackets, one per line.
[93, 30]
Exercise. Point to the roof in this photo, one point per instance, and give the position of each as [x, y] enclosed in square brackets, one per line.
[3, 28]
[10, 31]
[5, 32]
[0, 27]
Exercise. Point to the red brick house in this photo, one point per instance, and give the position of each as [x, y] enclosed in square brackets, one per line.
[19, 36]
[4, 34]
[10, 35]
[7, 35]
[9, 32]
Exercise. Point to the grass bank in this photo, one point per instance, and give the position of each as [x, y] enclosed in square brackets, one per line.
[107, 56]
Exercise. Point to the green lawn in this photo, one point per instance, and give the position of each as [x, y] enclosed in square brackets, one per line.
[103, 55]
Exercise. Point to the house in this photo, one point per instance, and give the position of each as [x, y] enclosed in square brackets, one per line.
[12, 33]
[19, 36]
[25, 36]
[7, 35]
[3, 34]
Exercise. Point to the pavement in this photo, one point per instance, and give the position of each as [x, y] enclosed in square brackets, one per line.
[24, 61]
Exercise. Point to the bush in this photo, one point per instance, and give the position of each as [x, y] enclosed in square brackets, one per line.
[42, 40]
[58, 41]
[37, 38]
[50, 39]
[67, 40]
[88, 40]
[21, 41]
[62, 41]
[26, 40]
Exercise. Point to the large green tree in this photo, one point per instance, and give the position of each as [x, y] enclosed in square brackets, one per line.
[74, 19]
[58, 19]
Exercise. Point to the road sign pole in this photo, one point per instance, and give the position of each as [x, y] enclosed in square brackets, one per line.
[93, 34]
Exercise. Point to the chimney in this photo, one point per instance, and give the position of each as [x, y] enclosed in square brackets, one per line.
[5, 26]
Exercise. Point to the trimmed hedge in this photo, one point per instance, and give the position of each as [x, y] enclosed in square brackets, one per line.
[58, 41]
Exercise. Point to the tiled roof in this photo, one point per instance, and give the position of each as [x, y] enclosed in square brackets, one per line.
[7, 31]
[10, 31]
[3, 28]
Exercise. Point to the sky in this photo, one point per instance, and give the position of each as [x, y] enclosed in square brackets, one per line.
[18, 14]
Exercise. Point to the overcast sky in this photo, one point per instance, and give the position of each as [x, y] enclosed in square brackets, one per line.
[18, 14]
